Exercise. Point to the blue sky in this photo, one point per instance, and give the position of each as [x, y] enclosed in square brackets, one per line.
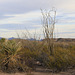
[18, 15]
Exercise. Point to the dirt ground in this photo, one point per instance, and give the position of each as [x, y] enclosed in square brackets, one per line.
[69, 72]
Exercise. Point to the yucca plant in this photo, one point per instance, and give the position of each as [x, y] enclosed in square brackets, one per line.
[9, 56]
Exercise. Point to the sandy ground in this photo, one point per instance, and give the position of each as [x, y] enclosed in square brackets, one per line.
[69, 72]
[38, 73]
[42, 71]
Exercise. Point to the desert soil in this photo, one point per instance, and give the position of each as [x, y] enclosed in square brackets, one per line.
[69, 72]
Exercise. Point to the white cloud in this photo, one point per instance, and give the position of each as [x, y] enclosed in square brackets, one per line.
[20, 18]
[64, 28]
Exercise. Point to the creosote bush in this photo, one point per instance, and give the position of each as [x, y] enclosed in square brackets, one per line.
[62, 59]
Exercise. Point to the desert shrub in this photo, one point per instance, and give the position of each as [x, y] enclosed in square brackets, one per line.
[29, 57]
[9, 56]
[62, 59]
[15, 56]
[2, 40]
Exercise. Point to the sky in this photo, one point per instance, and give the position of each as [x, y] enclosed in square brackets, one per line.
[19, 16]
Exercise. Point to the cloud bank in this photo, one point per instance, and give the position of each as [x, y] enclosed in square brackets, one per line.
[21, 14]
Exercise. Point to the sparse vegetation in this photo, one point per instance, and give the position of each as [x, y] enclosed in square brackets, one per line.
[16, 58]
